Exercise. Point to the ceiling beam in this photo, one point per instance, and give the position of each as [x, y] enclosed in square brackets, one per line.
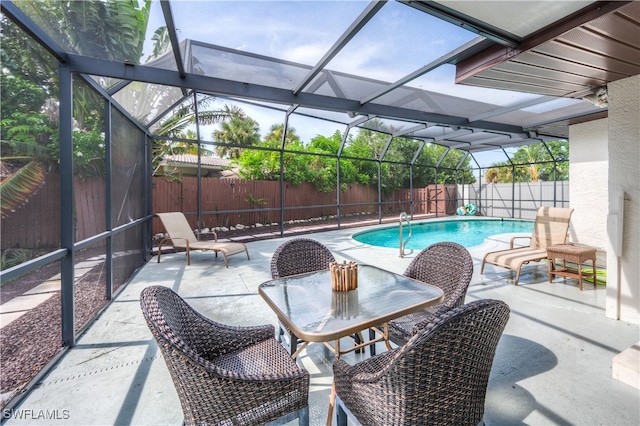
[217, 86]
[173, 36]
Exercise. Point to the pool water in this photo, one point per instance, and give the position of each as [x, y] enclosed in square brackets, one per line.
[467, 233]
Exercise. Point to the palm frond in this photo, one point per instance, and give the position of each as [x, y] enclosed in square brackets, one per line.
[16, 190]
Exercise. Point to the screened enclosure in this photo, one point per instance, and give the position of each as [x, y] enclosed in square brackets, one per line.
[374, 109]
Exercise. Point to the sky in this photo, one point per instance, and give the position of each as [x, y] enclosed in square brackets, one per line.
[397, 41]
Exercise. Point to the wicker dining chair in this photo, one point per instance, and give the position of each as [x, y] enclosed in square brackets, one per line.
[439, 377]
[446, 265]
[299, 256]
[225, 374]
[293, 257]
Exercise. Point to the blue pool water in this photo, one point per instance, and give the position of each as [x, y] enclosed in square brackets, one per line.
[467, 233]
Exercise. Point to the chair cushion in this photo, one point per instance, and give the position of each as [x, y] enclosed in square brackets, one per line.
[266, 358]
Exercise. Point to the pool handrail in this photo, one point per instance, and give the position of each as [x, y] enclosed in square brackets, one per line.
[403, 244]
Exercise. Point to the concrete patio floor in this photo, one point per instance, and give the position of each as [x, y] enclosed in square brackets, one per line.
[553, 364]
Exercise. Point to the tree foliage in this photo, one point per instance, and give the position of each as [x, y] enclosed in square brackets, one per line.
[317, 162]
[533, 162]
[112, 30]
[236, 131]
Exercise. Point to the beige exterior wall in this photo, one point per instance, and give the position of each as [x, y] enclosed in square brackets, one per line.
[588, 189]
[623, 272]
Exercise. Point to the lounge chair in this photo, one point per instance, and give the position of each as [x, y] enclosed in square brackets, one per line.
[551, 227]
[181, 236]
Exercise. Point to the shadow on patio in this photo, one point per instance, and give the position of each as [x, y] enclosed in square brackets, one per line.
[553, 364]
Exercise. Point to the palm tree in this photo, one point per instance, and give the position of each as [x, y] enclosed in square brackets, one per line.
[275, 135]
[235, 132]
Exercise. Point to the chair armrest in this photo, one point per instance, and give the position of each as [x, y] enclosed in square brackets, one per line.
[199, 234]
[368, 371]
[162, 241]
[515, 238]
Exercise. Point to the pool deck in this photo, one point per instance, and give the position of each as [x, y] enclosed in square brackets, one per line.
[553, 364]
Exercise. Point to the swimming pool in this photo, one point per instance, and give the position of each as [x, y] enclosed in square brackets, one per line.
[468, 233]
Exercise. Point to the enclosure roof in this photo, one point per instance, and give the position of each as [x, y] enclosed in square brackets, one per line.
[466, 75]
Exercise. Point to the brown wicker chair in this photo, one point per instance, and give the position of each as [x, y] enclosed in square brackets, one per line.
[299, 256]
[225, 374]
[293, 257]
[446, 265]
[439, 377]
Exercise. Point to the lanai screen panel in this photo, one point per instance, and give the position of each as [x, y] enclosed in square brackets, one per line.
[144, 101]
[128, 171]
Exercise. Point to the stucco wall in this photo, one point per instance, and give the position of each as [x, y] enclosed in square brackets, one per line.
[588, 189]
[624, 175]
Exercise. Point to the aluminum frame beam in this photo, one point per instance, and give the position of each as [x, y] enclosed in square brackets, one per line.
[245, 90]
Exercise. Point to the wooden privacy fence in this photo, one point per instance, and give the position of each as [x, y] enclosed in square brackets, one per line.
[222, 200]
[37, 223]
[229, 202]
[225, 202]
[440, 199]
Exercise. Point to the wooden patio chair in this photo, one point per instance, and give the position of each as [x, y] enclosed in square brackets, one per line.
[551, 227]
[182, 237]
[225, 375]
[446, 265]
[439, 377]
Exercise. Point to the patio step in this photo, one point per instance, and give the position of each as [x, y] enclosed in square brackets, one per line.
[626, 366]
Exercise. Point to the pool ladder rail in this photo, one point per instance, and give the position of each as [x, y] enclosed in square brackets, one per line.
[403, 244]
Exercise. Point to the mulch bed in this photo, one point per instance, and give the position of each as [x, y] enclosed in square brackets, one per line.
[31, 341]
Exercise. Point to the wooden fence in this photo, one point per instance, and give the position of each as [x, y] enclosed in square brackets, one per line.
[37, 223]
[225, 202]
[228, 202]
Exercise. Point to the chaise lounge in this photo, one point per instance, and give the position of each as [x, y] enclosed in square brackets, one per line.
[551, 227]
[181, 236]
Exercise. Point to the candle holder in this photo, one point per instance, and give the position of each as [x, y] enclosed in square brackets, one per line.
[344, 276]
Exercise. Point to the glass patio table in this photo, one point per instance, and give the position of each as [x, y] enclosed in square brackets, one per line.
[308, 306]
